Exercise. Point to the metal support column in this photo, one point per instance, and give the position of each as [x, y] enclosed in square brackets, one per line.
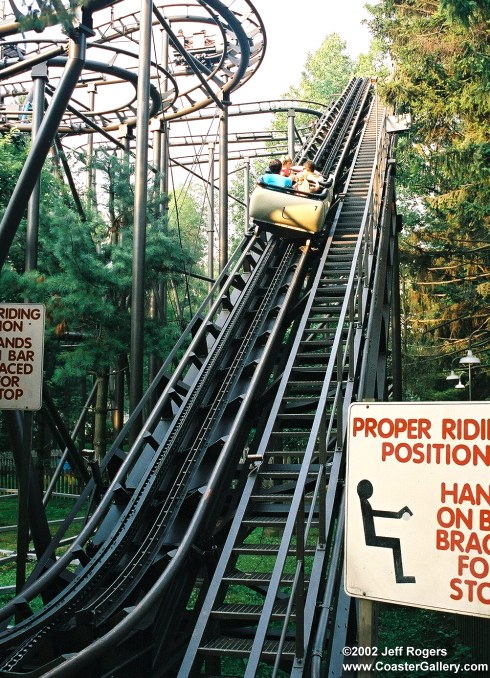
[39, 78]
[210, 201]
[246, 192]
[92, 89]
[164, 179]
[124, 134]
[23, 470]
[164, 182]
[223, 183]
[156, 130]
[291, 132]
[40, 148]
[37, 517]
[368, 631]
[140, 205]
[396, 342]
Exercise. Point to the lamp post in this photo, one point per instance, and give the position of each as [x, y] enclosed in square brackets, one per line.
[469, 359]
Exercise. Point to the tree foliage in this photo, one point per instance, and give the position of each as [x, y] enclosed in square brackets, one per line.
[325, 74]
[441, 75]
[84, 271]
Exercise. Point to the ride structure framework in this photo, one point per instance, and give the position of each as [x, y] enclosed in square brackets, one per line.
[216, 518]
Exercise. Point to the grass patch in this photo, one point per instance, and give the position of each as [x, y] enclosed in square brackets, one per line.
[422, 629]
[57, 509]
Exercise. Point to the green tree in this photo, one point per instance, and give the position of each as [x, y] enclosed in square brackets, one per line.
[13, 151]
[325, 74]
[441, 75]
[373, 63]
[188, 221]
[84, 278]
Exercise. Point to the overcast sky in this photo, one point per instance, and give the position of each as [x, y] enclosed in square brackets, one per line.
[294, 28]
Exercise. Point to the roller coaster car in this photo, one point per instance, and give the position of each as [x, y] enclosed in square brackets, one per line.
[273, 208]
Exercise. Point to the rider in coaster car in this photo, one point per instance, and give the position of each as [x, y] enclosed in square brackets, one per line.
[274, 176]
[310, 180]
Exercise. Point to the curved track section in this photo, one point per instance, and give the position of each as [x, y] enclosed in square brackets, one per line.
[185, 75]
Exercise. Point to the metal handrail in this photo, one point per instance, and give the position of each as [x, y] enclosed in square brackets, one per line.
[371, 221]
[340, 356]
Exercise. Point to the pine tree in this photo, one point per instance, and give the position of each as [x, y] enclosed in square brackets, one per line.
[84, 279]
[441, 75]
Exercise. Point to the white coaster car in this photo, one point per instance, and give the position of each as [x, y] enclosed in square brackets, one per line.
[290, 209]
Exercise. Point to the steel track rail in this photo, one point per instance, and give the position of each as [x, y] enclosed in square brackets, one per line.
[152, 440]
[175, 495]
[337, 373]
[327, 123]
[93, 572]
[202, 329]
[108, 597]
[289, 251]
[129, 521]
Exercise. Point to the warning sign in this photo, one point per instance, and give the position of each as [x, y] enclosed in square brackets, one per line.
[21, 356]
[418, 505]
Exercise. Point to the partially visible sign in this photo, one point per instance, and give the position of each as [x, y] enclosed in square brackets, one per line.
[418, 505]
[21, 356]
[398, 123]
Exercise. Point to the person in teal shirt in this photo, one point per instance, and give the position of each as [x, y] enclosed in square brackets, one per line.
[274, 177]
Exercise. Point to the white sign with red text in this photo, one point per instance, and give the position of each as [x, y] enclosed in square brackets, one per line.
[21, 356]
[418, 505]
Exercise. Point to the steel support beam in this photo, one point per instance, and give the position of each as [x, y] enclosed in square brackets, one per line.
[291, 131]
[396, 337]
[140, 206]
[223, 184]
[37, 517]
[39, 77]
[164, 177]
[246, 193]
[40, 148]
[92, 89]
[62, 435]
[157, 130]
[210, 200]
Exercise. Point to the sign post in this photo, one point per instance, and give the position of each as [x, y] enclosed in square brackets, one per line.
[21, 356]
[418, 505]
[21, 379]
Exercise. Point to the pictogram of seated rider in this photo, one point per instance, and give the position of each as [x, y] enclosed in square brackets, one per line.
[365, 491]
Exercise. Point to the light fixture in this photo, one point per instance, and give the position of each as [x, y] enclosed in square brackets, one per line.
[460, 384]
[452, 376]
[469, 359]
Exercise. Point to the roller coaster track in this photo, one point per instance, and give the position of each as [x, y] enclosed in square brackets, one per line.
[241, 457]
[295, 456]
[239, 44]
